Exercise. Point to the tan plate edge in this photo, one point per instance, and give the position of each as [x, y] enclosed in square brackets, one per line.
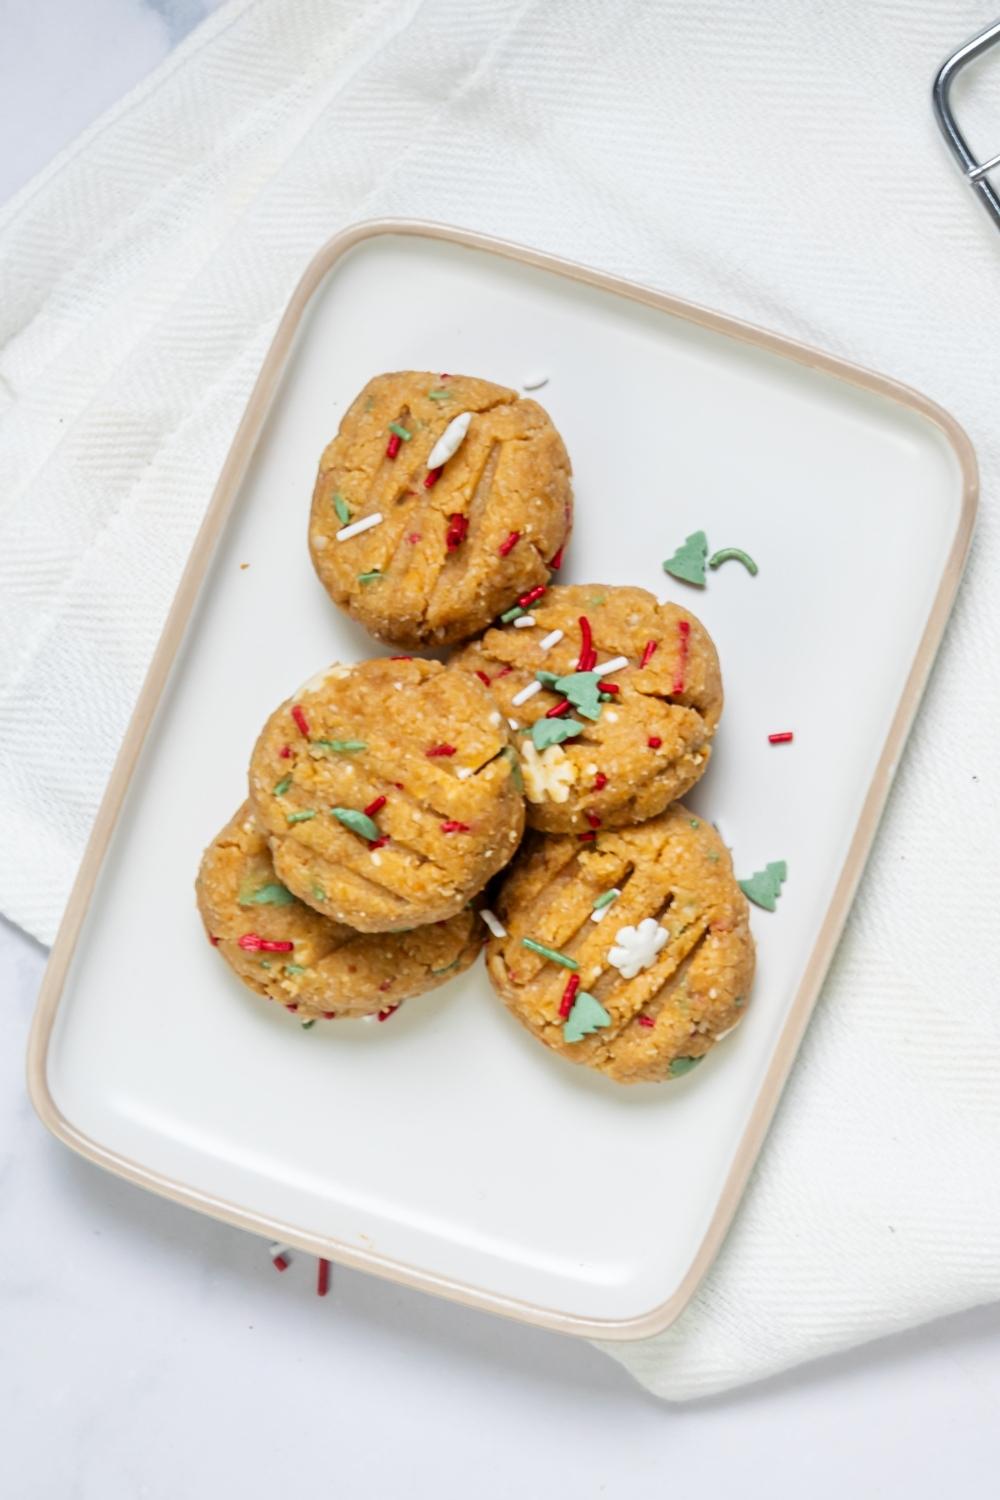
[202, 551]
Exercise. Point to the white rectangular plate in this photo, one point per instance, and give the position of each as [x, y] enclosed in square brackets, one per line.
[447, 1148]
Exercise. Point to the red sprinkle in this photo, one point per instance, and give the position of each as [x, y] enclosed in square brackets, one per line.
[323, 1266]
[285, 752]
[645, 1020]
[609, 687]
[509, 543]
[377, 843]
[393, 445]
[400, 658]
[301, 722]
[431, 477]
[503, 672]
[483, 678]
[374, 806]
[385, 986]
[214, 941]
[390, 1010]
[532, 594]
[684, 632]
[399, 786]
[458, 530]
[330, 1015]
[784, 738]
[559, 709]
[600, 782]
[592, 819]
[440, 750]
[291, 1006]
[279, 1262]
[588, 655]
[251, 943]
[556, 562]
[654, 742]
[647, 652]
[586, 838]
[413, 538]
[454, 826]
[569, 995]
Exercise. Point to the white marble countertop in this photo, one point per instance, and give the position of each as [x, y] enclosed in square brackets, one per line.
[147, 1351]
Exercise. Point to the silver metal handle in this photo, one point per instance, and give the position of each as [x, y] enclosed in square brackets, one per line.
[976, 173]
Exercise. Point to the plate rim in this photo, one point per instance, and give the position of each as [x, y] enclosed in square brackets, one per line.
[657, 1319]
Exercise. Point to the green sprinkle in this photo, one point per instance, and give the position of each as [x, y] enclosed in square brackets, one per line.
[265, 963]
[369, 403]
[546, 732]
[547, 679]
[734, 554]
[281, 787]
[713, 855]
[448, 967]
[587, 1016]
[400, 431]
[597, 600]
[739, 1001]
[318, 893]
[694, 822]
[606, 697]
[513, 614]
[606, 898]
[682, 1065]
[688, 562]
[294, 969]
[581, 690]
[300, 817]
[370, 577]
[342, 508]
[358, 822]
[551, 953]
[340, 745]
[267, 895]
[517, 777]
[306, 1024]
[439, 395]
[763, 887]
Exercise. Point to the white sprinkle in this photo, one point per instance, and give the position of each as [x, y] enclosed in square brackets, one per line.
[535, 381]
[548, 641]
[450, 440]
[513, 724]
[275, 1250]
[365, 524]
[495, 718]
[611, 716]
[463, 773]
[727, 1031]
[524, 622]
[614, 665]
[376, 857]
[591, 770]
[598, 916]
[369, 1018]
[525, 694]
[493, 922]
[713, 994]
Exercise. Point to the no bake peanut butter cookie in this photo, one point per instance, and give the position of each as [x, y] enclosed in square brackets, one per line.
[631, 955]
[441, 500]
[388, 791]
[287, 952]
[616, 698]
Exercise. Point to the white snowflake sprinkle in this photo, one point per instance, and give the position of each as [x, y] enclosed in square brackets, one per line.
[636, 948]
[546, 776]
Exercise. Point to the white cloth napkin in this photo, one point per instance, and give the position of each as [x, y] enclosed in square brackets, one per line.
[778, 161]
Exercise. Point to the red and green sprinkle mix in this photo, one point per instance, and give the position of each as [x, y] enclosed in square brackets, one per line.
[339, 746]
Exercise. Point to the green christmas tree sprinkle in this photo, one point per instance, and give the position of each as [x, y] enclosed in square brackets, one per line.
[582, 691]
[688, 562]
[587, 1016]
[546, 732]
[763, 887]
[682, 1065]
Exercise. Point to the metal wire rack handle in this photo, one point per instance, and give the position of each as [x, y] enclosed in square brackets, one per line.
[976, 173]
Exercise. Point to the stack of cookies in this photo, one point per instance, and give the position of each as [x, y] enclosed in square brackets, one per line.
[384, 833]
